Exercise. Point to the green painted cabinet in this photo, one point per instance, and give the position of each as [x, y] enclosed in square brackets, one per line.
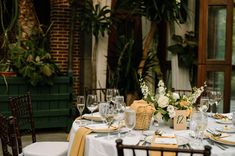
[51, 104]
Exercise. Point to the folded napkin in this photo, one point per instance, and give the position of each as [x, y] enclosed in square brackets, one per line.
[78, 145]
[102, 127]
[164, 141]
[94, 117]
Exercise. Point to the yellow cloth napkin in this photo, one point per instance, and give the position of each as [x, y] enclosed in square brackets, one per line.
[162, 145]
[78, 145]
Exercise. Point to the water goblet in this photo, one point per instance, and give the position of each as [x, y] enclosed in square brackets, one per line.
[92, 104]
[103, 106]
[130, 119]
[80, 104]
[198, 125]
[119, 106]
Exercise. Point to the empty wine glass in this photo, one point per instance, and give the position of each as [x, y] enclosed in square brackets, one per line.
[92, 104]
[233, 119]
[204, 104]
[130, 119]
[103, 106]
[218, 98]
[109, 117]
[80, 104]
[198, 125]
[119, 106]
[211, 95]
[111, 93]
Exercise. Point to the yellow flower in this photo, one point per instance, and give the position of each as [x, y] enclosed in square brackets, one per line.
[184, 103]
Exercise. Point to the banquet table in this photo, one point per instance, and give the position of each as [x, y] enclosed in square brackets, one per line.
[97, 144]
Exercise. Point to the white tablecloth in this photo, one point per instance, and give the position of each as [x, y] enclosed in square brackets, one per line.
[101, 146]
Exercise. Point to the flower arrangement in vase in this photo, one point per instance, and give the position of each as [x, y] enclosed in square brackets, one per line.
[167, 102]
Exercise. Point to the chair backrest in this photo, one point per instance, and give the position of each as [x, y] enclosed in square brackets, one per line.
[8, 136]
[100, 92]
[148, 149]
[21, 109]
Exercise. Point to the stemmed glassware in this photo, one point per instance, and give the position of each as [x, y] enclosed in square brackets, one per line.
[92, 103]
[119, 106]
[218, 98]
[103, 106]
[80, 104]
[130, 119]
[198, 125]
[109, 117]
[204, 103]
[215, 96]
[211, 95]
[111, 93]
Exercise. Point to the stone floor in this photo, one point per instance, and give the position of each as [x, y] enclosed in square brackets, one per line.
[44, 135]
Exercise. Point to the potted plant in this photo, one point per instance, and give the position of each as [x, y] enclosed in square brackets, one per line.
[31, 60]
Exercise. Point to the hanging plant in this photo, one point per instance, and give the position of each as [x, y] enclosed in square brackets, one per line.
[185, 48]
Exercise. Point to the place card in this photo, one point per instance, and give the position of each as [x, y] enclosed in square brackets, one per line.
[168, 135]
[171, 141]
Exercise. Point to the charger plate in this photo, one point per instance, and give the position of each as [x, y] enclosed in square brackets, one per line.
[224, 140]
[221, 121]
[102, 128]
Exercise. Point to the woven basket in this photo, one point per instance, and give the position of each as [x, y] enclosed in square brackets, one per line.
[144, 112]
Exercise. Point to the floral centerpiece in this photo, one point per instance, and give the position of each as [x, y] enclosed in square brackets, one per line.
[167, 102]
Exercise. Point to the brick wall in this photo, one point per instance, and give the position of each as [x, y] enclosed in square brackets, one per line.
[59, 39]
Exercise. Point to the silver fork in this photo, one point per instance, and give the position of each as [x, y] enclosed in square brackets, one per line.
[211, 142]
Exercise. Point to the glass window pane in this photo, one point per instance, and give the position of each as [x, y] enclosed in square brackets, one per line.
[216, 32]
[232, 103]
[215, 81]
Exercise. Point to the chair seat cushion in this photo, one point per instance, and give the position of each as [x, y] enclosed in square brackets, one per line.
[46, 149]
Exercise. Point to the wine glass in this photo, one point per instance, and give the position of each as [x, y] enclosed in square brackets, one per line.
[111, 93]
[211, 95]
[109, 117]
[233, 119]
[80, 104]
[103, 106]
[119, 106]
[204, 104]
[92, 104]
[218, 98]
[130, 119]
[198, 125]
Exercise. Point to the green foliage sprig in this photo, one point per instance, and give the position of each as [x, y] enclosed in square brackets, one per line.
[33, 62]
[94, 18]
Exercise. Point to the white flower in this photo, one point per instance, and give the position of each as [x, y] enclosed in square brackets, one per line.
[163, 101]
[175, 96]
[170, 108]
[161, 83]
[172, 114]
[178, 1]
[158, 116]
[161, 90]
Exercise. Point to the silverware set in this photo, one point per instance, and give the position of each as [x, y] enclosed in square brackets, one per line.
[213, 143]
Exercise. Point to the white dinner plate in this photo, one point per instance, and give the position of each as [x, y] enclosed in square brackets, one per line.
[228, 129]
[224, 140]
[224, 121]
[102, 128]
